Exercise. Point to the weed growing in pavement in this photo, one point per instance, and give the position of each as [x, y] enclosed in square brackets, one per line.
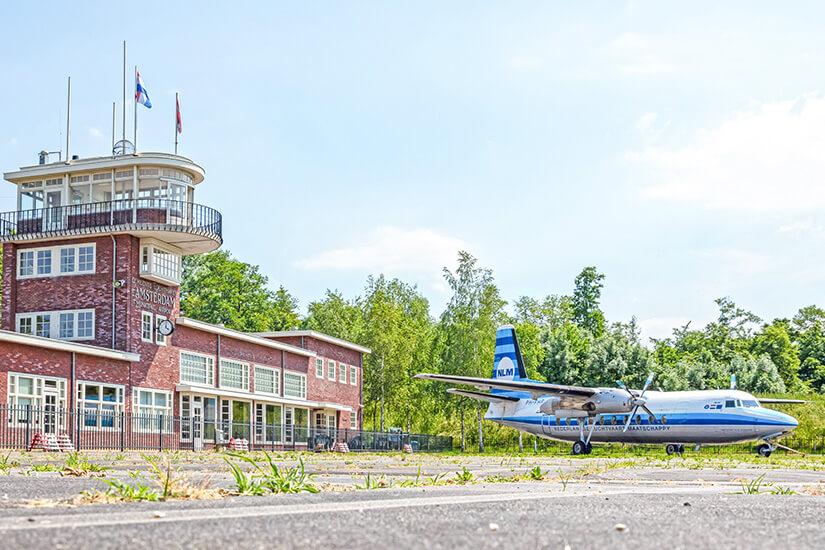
[74, 465]
[752, 487]
[43, 467]
[536, 474]
[436, 479]
[136, 493]
[6, 464]
[564, 480]
[464, 476]
[271, 479]
[412, 482]
[375, 483]
[779, 490]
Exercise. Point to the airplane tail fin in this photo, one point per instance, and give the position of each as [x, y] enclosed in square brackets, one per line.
[508, 364]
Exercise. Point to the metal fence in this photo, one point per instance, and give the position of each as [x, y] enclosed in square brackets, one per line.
[94, 429]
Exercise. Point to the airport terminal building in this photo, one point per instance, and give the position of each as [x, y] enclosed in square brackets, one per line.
[91, 324]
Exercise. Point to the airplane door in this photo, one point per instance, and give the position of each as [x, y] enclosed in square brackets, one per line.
[546, 423]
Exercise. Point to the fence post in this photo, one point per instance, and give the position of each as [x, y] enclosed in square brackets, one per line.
[160, 432]
[28, 425]
[122, 431]
[192, 431]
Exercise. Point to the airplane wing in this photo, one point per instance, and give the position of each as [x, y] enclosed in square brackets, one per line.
[481, 396]
[536, 389]
[779, 401]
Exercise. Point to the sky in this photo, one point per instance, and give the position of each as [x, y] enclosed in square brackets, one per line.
[677, 147]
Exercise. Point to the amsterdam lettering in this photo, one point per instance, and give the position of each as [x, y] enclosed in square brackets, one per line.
[152, 296]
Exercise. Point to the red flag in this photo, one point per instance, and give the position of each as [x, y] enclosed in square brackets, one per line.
[177, 105]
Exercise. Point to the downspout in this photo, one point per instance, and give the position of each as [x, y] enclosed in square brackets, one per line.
[360, 390]
[114, 282]
[72, 389]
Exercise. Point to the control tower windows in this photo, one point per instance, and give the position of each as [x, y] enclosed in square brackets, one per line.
[159, 263]
[56, 261]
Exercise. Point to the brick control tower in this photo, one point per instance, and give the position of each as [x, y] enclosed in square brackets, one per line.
[93, 252]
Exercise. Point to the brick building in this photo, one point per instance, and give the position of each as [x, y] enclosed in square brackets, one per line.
[90, 318]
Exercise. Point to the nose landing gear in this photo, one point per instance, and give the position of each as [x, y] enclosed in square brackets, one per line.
[765, 450]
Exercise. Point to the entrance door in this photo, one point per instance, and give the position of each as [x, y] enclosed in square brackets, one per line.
[197, 425]
[54, 217]
[50, 413]
[288, 425]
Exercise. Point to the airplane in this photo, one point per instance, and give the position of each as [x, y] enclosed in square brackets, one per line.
[587, 415]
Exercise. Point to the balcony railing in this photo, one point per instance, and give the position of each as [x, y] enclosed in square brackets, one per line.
[119, 215]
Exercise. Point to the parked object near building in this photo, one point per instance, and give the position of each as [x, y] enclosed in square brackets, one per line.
[91, 336]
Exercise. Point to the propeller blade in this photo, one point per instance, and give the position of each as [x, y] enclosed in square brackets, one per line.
[649, 380]
[648, 411]
[621, 385]
[629, 419]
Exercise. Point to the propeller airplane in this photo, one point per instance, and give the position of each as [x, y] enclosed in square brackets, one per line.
[585, 415]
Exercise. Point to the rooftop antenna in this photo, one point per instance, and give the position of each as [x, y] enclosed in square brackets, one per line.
[114, 118]
[68, 119]
[124, 92]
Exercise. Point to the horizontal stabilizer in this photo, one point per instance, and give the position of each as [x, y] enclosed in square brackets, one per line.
[481, 396]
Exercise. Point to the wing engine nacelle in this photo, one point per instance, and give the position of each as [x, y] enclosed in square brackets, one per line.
[606, 401]
[550, 405]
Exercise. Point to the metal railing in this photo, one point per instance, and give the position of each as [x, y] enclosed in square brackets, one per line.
[101, 430]
[96, 217]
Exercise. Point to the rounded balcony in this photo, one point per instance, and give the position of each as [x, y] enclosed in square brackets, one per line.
[192, 228]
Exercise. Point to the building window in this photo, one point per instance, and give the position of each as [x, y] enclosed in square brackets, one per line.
[36, 400]
[319, 367]
[196, 369]
[353, 377]
[353, 420]
[160, 339]
[68, 260]
[234, 374]
[331, 370]
[152, 410]
[100, 404]
[70, 325]
[159, 263]
[267, 380]
[342, 373]
[295, 385]
[146, 328]
[268, 425]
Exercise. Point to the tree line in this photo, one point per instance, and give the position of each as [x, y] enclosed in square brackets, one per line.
[564, 339]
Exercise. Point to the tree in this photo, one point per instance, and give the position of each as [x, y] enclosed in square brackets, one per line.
[216, 288]
[775, 342]
[336, 316]
[757, 375]
[468, 325]
[586, 295]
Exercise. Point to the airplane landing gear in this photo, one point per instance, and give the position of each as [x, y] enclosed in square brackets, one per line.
[764, 450]
[582, 448]
[674, 449]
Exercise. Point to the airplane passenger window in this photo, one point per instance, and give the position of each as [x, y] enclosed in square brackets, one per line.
[613, 420]
[664, 419]
[568, 421]
[601, 420]
[638, 419]
[651, 419]
[558, 420]
[730, 403]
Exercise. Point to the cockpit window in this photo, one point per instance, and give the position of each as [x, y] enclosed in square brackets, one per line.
[730, 403]
[738, 402]
[750, 403]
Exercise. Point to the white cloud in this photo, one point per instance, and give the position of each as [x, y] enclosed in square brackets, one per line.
[804, 228]
[393, 250]
[768, 159]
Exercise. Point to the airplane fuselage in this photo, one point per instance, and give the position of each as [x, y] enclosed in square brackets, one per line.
[714, 417]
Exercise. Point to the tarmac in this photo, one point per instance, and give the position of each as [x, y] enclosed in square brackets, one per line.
[579, 503]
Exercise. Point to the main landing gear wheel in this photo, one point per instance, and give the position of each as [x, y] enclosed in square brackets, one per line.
[680, 449]
[579, 448]
[764, 450]
[671, 449]
[588, 449]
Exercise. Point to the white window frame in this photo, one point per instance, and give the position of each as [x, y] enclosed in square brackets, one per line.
[342, 373]
[319, 364]
[148, 269]
[276, 380]
[146, 322]
[160, 339]
[17, 417]
[244, 374]
[98, 413]
[353, 376]
[353, 420]
[302, 384]
[154, 411]
[210, 368]
[331, 370]
[54, 323]
[55, 261]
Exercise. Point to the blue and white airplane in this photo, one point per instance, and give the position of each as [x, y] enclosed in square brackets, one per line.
[614, 415]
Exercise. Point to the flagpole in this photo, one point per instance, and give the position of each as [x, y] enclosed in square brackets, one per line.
[176, 123]
[114, 119]
[135, 143]
[124, 97]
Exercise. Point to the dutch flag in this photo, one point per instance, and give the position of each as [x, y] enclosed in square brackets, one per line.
[141, 96]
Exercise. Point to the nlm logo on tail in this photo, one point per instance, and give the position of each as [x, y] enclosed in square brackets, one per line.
[507, 364]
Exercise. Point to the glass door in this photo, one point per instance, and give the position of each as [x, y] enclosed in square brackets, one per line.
[197, 425]
[55, 216]
[50, 413]
[288, 427]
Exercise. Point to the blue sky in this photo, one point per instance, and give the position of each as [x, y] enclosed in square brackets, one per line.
[678, 148]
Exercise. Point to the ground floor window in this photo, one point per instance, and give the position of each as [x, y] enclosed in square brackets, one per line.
[268, 423]
[296, 424]
[100, 404]
[198, 413]
[353, 420]
[152, 409]
[36, 400]
[236, 419]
